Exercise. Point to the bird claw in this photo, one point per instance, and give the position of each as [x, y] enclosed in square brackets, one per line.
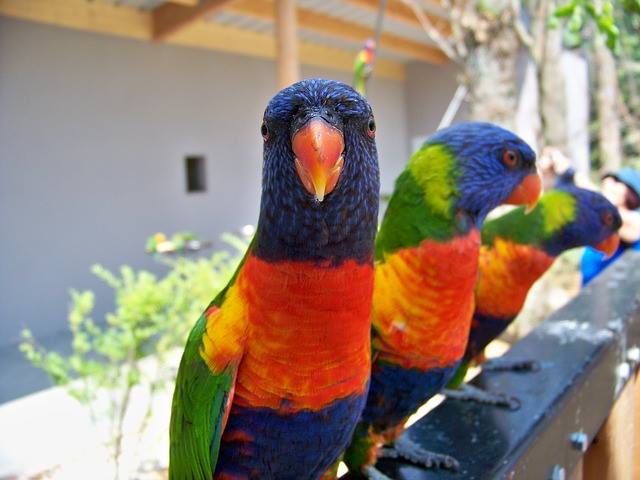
[474, 394]
[503, 365]
[408, 450]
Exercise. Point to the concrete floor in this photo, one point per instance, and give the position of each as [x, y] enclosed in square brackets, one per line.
[70, 444]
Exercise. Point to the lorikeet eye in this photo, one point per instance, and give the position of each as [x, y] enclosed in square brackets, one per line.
[510, 158]
[371, 127]
[607, 219]
[264, 131]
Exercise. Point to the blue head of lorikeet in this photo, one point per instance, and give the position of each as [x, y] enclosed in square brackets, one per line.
[320, 176]
[587, 220]
[566, 217]
[495, 166]
[453, 181]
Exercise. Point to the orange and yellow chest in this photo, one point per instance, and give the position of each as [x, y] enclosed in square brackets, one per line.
[423, 302]
[507, 273]
[308, 333]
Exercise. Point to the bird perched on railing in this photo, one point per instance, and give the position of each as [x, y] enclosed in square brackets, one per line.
[517, 249]
[275, 372]
[426, 270]
[363, 66]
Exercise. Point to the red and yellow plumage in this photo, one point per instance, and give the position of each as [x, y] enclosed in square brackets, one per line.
[294, 313]
[423, 301]
[507, 272]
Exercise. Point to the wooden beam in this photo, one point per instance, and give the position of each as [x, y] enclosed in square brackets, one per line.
[214, 36]
[129, 22]
[577, 473]
[335, 27]
[168, 19]
[286, 42]
[100, 17]
[611, 455]
[187, 3]
[397, 10]
[636, 439]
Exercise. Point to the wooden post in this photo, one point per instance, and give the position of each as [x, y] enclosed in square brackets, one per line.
[577, 472]
[636, 443]
[286, 42]
[610, 457]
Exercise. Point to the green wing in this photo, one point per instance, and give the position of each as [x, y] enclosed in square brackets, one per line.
[200, 404]
[197, 413]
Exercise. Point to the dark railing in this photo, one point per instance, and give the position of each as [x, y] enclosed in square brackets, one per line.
[588, 351]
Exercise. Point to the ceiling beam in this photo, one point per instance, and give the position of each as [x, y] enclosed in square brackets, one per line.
[100, 17]
[334, 27]
[168, 18]
[397, 10]
[235, 40]
[286, 32]
[188, 3]
[129, 22]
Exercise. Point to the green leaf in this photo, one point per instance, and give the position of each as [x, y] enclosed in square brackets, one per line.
[553, 22]
[565, 10]
[571, 39]
[576, 22]
[133, 378]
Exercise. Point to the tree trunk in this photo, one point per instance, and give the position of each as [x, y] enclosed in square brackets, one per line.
[553, 98]
[609, 137]
[546, 53]
[491, 77]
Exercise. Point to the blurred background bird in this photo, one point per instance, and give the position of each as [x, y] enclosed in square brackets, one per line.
[363, 66]
[426, 270]
[250, 400]
[517, 249]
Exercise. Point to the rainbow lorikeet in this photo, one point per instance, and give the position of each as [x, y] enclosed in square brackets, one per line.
[517, 249]
[275, 372]
[426, 269]
[363, 66]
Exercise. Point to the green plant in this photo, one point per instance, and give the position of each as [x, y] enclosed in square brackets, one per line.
[152, 316]
[578, 13]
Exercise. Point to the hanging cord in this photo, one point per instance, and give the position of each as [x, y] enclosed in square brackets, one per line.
[377, 32]
[442, 43]
[454, 106]
[369, 52]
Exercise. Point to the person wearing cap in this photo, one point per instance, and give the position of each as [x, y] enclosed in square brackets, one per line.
[622, 188]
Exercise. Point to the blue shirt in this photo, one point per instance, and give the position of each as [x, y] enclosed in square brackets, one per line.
[593, 261]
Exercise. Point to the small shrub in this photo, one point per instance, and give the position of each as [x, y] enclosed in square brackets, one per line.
[152, 316]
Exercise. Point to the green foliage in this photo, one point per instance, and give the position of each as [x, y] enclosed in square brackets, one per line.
[152, 316]
[195, 283]
[628, 66]
[627, 16]
[631, 6]
[577, 14]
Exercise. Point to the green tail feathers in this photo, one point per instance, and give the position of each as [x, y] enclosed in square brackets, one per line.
[358, 454]
[458, 377]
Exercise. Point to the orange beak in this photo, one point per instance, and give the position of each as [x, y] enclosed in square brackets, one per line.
[527, 193]
[609, 245]
[318, 148]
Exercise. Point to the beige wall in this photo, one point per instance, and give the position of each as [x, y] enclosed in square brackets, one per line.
[93, 130]
[429, 90]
